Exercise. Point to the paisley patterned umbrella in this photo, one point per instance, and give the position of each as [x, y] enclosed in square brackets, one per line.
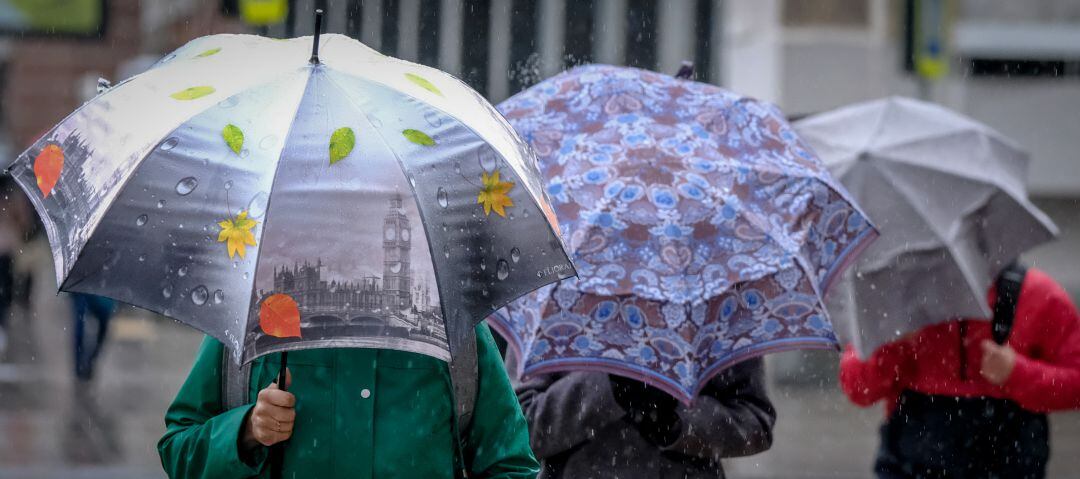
[704, 230]
[278, 203]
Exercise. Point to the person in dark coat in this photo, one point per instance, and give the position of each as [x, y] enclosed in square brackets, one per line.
[586, 425]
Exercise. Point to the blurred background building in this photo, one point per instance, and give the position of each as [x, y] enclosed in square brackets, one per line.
[1013, 65]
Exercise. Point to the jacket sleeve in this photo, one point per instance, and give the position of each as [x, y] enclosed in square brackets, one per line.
[1051, 383]
[564, 411]
[732, 417]
[498, 440]
[200, 440]
[879, 377]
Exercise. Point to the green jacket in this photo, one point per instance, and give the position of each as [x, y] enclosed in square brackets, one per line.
[360, 413]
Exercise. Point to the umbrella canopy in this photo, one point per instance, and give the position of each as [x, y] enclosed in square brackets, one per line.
[276, 203]
[948, 196]
[704, 230]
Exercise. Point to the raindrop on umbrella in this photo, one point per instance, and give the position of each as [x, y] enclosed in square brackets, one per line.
[446, 251]
[182, 271]
[186, 186]
[228, 102]
[167, 291]
[457, 167]
[483, 265]
[219, 297]
[487, 160]
[433, 118]
[515, 254]
[199, 295]
[228, 184]
[257, 206]
[161, 203]
[443, 200]
[245, 153]
[141, 220]
[170, 144]
[268, 141]
[142, 258]
[502, 269]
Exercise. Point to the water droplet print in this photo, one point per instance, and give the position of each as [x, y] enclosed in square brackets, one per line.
[186, 186]
[199, 295]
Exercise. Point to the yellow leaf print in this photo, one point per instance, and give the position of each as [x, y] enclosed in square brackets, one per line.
[236, 233]
[494, 194]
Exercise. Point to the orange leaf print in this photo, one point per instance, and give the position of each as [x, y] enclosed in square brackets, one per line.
[47, 167]
[279, 316]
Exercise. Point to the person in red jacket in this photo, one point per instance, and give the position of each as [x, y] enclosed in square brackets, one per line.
[960, 405]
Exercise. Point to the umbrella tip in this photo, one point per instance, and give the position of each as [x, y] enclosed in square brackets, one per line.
[315, 41]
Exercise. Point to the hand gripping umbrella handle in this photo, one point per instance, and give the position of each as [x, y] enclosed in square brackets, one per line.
[277, 451]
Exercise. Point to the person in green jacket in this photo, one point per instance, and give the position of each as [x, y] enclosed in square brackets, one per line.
[356, 413]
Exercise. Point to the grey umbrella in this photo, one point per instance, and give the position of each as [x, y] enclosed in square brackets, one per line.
[947, 194]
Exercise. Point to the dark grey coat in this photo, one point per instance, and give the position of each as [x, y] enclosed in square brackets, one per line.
[579, 431]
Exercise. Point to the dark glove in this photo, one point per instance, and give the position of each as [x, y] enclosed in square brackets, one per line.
[650, 410]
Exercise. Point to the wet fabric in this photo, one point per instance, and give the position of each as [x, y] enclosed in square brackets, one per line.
[705, 231]
[579, 430]
[360, 413]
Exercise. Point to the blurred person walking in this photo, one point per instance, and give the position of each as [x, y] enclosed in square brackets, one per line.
[968, 398]
[86, 350]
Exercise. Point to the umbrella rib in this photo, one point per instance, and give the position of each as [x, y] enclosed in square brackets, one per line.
[905, 192]
[270, 198]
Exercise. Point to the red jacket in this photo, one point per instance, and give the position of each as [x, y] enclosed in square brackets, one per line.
[944, 359]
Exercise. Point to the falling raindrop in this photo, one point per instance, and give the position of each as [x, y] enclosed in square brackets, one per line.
[170, 144]
[186, 186]
[167, 291]
[182, 271]
[257, 206]
[268, 141]
[219, 297]
[444, 201]
[502, 269]
[199, 295]
[141, 220]
[161, 203]
[433, 118]
[515, 255]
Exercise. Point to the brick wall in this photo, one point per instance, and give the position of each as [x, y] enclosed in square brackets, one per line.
[41, 75]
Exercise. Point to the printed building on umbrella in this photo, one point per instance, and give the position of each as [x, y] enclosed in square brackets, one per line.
[395, 300]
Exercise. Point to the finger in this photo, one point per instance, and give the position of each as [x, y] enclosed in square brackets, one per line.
[277, 397]
[280, 414]
[989, 346]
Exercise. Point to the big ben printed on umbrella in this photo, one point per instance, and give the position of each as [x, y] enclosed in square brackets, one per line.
[275, 203]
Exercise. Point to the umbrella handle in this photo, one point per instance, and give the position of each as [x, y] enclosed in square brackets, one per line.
[277, 451]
